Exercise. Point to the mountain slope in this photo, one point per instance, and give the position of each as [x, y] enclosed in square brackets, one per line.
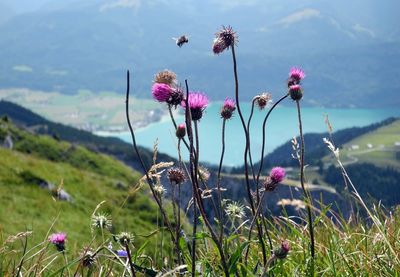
[34, 173]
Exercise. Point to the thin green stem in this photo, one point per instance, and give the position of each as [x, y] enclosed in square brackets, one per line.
[263, 136]
[128, 252]
[246, 170]
[305, 191]
[220, 214]
[135, 148]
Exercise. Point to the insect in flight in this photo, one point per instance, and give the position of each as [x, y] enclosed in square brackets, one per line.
[181, 40]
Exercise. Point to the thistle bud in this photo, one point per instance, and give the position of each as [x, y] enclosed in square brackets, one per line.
[283, 251]
[228, 108]
[296, 93]
[181, 131]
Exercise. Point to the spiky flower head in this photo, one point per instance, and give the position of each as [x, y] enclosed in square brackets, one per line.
[88, 258]
[276, 176]
[296, 93]
[161, 92]
[101, 221]
[218, 46]
[283, 250]
[224, 39]
[165, 77]
[263, 99]
[228, 108]
[176, 175]
[204, 174]
[124, 238]
[159, 190]
[181, 131]
[235, 210]
[296, 74]
[58, 239]
[176, 97]
[198, 101]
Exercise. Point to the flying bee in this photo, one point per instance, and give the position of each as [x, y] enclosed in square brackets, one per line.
[181, 40]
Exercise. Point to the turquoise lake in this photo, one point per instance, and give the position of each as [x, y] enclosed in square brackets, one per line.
[281, 127]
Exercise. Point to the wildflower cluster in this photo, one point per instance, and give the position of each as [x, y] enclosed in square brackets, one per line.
[165, 88]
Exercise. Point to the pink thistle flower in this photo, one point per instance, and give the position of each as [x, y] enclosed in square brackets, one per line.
[218, 46]
[295, 91]
[228, 108]
[277, 174]
[161, 92]
[297, 73]
[58, 239]
[198, 101]
[224, 39]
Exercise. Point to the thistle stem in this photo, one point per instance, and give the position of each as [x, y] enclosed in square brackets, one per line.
[128, 252]
[197, 197]
[135, 148]
[246, 171]
[220, 214]
[263, 136]
[305, 191]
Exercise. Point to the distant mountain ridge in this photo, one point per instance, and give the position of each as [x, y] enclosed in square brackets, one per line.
[68, 45]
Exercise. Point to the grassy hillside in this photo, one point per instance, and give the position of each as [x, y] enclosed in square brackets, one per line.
[377, 147]
[88, 177]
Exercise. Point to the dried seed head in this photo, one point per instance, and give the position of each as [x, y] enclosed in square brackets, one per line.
[159, 190]
[176, 175]
[101, 221]
[165, 77]
[124, 238]
[235, 210]
[204, 174]
[88, 258]
[263, 99]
